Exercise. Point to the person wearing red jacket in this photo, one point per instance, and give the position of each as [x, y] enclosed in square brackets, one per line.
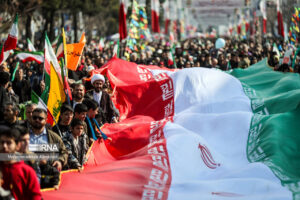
[18, 177]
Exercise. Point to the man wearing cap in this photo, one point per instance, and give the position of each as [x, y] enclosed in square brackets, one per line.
[107, 113]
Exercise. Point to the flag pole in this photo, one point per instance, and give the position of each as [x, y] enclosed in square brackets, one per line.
[63, 79]
[65, 48]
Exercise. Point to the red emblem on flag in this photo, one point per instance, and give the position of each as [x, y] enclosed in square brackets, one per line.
[207, 157]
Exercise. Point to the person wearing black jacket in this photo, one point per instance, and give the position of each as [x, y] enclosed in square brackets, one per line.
[21, 87]
[4, 80]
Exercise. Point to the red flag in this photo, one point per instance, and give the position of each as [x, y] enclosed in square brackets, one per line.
[239, 28]
[280, 20]
[264, 25]
[247, 26]
[122, 20]
[155, 15]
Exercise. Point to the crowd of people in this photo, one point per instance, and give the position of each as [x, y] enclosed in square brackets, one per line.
[23, 124]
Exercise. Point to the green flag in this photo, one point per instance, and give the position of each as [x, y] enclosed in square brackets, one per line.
[14, 73]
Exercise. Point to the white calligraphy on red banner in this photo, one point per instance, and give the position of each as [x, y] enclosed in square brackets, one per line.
[144, 74]
[167, 90]
[159, 178]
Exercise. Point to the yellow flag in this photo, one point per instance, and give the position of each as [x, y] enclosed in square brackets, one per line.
[56, 94]
[65, 46]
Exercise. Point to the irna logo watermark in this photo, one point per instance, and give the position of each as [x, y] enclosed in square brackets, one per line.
[43, 148]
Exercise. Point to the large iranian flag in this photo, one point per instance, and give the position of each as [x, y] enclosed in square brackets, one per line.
[195, 133]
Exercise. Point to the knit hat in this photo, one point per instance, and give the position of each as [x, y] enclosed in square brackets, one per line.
[97, 77]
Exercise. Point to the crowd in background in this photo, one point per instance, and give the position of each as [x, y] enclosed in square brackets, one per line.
[23, 123]
[188, 53]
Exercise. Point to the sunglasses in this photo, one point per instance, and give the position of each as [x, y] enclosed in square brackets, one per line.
[38, 117]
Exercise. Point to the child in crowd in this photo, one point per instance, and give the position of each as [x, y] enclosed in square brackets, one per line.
[19, 178]
[77, 144]
[24, 148]
[80, 112]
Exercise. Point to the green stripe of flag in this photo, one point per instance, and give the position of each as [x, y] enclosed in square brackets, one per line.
[274, 137]
[38, 100]
[40, 53]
